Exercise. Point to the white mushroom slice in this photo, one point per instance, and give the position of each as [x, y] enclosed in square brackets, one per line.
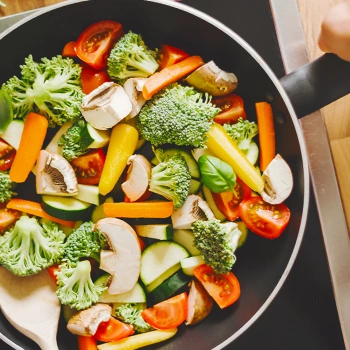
[278, 181]
[194, 208]
[133, 87]
[213, 80]
[199, 303]
[137, 177]
[86, 322]
[55, 176]
[124, 260]
[106, 106]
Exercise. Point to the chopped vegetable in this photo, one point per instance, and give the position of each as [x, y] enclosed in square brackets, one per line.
[30, 247]
[51, 88]
[7, 153]
[6, 185]
[113, 330]
[6, 112]
[130, 57]
[267, 140]
[87, 343]
[232, 108]
[69, 49]
[133, 88]
[91, 78]
[149, 209]
[169, 55]
[169, 75]
[177, 115]
[34, 132]
[121, 146]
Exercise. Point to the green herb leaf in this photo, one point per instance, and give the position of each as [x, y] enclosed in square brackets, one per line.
[217, 175]
[6, 113]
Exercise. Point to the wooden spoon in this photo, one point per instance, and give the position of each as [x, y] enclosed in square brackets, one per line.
[30, 304]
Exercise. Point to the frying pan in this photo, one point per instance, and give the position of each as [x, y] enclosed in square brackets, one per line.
[262, 265]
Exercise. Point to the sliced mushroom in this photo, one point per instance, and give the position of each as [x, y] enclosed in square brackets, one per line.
[55, 176]
[133, 88]
[106, 106]
[213, 80]
[199, 303]
[137, 177]
[124, 260]
[86, 322]
[278, 181]
[194, 208]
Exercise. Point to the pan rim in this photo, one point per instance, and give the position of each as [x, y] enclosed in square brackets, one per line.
[296, 123]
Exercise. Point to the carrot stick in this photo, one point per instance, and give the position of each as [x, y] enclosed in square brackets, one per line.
[267, 139]
[34, 132]
[34, 208]
[171, 74]
[159, 209]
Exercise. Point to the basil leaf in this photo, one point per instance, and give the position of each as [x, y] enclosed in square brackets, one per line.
[6, 113]
[217, 175]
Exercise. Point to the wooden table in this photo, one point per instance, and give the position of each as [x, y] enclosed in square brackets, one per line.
[336, 115]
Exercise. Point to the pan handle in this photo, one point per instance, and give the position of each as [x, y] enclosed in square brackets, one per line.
[317, 84]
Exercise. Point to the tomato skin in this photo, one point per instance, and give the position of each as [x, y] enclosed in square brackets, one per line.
[169, 55]
[7, 155]
[232, 108]
[86, 343]
[224, 289]
[92, 78]
[53, 270]
[88, 167]
[69, 49]
[228, 203]
[96, 41]
[167, 314]
[264, 219]
[8, 217]
[113, 330]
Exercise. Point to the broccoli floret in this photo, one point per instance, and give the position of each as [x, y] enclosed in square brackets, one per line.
[217, 243]
[75, 286]
[74, 142]
[179, 115]
[171, 179]
[242, 132]
[83, 243]
[51, 88]
[131, 314]
[130, 57]
[5, 187]
[30, 247]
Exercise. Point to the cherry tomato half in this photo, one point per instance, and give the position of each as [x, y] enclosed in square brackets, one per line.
[167, 314]
[169, 55]
[69, 49]
[266, 220]
[86, 343]
[228, 202]
[88, 167]
[113, 330]
[7, 155]
[96, 41]
[224, 289]
[232, 108]
[92, 78]
[8, 217]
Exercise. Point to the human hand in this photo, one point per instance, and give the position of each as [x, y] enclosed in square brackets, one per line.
[335, 31]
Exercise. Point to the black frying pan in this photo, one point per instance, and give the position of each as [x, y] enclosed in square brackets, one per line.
[262, 265]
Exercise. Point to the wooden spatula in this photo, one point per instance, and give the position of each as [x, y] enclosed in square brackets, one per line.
[30, 304]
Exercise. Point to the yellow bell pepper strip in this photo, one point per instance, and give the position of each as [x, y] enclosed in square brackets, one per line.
[222, 146]
[122, 145]
[139, 340]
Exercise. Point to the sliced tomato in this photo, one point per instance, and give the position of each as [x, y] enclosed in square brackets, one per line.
[8, 217]
[7, 155]
[53, 270]
[224, 289]
[232, 108]
[266, 220]
[86, 343]
[142, 244]
[95, 42]
[88, 167]
[169, 55]
[113, 330]
[228, 202]
[92, 78]
[69, 49]
[167, 314]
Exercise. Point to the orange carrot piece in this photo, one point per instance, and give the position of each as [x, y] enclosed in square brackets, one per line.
[267, 140]
[156, 209]
[34, 208]
[34, 132]
[87, 343]
[171, 74]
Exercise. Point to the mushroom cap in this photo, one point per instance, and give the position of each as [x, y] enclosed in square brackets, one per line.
[133, 88]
